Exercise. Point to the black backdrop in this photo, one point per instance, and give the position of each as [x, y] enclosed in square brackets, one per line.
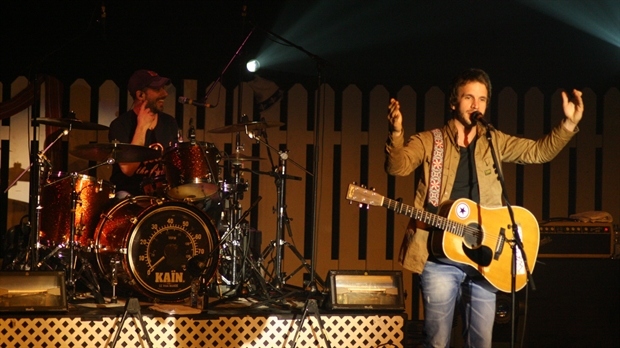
[394, 43]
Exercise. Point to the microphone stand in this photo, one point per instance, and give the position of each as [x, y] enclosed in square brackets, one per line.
[516, 244]
[219, 78]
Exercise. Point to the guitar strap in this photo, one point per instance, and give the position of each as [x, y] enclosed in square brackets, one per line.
[434, 185]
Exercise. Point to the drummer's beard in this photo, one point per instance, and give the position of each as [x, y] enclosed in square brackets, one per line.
[153, 105]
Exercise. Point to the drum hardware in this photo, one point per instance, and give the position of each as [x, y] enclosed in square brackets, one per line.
[114, 263]
[238, 158]
[235, 259]
[279, 278]
[39, 164]
[246, 127]
[197, 264]
[70, 123]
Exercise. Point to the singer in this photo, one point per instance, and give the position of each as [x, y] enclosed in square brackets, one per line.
[145, 124]
[457, 163]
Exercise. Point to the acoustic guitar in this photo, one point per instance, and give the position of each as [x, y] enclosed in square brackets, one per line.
[474, 238]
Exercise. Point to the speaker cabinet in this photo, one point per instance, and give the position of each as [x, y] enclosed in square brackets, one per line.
[576, 304]
[32, 292]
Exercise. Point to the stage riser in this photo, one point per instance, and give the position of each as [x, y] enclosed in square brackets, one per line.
[246, 331]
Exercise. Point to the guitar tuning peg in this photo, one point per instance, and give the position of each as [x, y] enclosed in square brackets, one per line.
[373, 189]
[363, 186]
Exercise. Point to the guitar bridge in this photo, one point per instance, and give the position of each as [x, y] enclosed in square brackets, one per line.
[499, 247]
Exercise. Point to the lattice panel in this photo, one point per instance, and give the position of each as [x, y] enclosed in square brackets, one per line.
[247, 331]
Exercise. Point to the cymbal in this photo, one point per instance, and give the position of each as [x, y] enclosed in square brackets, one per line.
[119, 151]
[72, 123]
[239, 157]
[241, 127]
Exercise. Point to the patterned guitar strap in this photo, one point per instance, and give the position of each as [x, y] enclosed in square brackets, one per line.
[434, 185]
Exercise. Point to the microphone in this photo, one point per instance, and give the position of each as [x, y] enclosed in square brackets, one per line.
[184, 100]
[477, 116]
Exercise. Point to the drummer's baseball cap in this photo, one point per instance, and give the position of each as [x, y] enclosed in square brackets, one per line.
[145, 78]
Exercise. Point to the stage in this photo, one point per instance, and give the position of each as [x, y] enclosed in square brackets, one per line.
[239, 322]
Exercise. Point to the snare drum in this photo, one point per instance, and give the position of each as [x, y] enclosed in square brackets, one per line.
[154, 240]
[191, 171]
[93, 197]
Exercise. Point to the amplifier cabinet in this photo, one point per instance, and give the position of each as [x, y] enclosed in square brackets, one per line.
[568, 239]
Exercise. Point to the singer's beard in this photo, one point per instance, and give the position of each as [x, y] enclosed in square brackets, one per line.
[465, 120]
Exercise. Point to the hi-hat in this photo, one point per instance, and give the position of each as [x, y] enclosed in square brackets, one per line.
[72, 123]
[242, 127]
[238, 158]
[119, 151]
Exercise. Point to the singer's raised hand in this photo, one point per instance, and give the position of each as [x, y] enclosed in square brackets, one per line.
[395, 117]
[573, 109]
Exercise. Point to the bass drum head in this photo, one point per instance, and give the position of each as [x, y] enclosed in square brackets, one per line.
[157, 245]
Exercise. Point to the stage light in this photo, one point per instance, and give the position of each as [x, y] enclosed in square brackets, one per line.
[253, 65]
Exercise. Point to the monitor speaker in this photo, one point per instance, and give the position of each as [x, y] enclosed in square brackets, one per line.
[366, 290]
[33, 292]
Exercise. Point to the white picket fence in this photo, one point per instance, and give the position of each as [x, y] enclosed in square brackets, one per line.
[352, 141]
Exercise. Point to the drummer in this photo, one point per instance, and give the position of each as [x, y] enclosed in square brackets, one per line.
[145, 124]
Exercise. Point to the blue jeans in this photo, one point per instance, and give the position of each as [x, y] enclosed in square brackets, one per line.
[443, 287]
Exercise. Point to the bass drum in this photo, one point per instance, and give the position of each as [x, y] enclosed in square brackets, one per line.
[149, 242]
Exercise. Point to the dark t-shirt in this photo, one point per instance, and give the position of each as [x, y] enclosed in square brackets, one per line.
[122, 130]
[466, 181]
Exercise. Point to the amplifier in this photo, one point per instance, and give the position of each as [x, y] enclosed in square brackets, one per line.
[570, 239]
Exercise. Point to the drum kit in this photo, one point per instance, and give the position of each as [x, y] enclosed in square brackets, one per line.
[187, 228]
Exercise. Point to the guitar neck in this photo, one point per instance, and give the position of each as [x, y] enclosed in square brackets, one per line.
[424, 216]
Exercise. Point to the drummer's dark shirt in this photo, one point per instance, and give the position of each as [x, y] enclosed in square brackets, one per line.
[122, 130]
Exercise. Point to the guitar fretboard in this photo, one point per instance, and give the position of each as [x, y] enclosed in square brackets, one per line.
[425, 217]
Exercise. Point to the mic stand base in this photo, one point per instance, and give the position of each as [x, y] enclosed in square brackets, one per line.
[311, 306]
[132, 307]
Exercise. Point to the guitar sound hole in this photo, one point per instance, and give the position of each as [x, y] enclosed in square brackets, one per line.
[473, 237]
[473, 247]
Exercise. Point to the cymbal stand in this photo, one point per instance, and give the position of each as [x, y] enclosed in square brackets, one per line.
[245, 257]
[234, 228]
[38, 164]
[283, 220]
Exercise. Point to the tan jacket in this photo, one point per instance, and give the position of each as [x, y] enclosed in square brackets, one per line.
[402, 159]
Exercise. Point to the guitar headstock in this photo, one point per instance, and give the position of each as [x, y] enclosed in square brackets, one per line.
[363, 195]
